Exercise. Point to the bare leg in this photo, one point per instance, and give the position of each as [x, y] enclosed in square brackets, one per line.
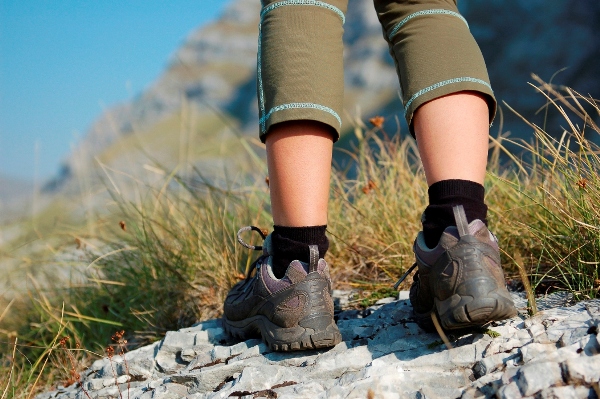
[452, 135]
[299, 160]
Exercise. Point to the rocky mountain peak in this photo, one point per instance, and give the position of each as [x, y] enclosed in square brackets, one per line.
[214, 69]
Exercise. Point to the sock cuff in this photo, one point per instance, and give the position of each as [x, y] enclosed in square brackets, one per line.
[455, 187]
[306, 235]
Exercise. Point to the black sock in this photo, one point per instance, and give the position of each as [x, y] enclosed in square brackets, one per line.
[291, 243]
[444, 195]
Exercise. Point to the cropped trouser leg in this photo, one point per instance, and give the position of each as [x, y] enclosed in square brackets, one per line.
[300, 62]
[434, 52]
[300, 57]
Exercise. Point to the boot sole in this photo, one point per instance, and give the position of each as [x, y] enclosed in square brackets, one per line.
[466, 311]
[318, 332]
[460, 311]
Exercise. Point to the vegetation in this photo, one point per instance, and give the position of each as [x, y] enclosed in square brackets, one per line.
[167, 261]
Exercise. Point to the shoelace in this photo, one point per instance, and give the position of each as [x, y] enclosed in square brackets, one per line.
[250, 228]
[404, 276]
[256, 264]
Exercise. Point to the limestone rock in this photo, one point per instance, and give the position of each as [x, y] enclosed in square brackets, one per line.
[534, 377]
[510, 391]
[583, 370]
[383, 353]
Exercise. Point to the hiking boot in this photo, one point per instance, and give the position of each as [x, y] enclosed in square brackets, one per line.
[291, 313]
[461, 279]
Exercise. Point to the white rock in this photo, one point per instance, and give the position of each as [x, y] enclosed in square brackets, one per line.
[108, 382]
[140, 368]
[536, 329]
[220, 352]
[501, 345]
[167, 360]
[490, 364]
[333, 365]
[210, 335]
[403, 295]
[538, 352]
[94, 384]
[464, 356]
[178, 339]
[567, 392]
[308, 390]
[584, 369]
[255, 348]
[99, 364]
[534, 377]
[510, 375]
[170, 391]
[209, 378]
[583, 392]
[573, 335]
[112, 392]
[134, 393]
[384, 301]
[254, 379]
[123, 379]
[155, 384]
[522, 335]
[510, 391]
[188, 354]
[384, 350]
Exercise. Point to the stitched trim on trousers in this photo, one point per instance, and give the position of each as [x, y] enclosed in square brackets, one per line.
[303, 3]
[261, 94]
[282, 107]
[441, 84]
[424, 12]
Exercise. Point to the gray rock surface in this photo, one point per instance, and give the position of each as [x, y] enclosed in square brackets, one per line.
[554, 354]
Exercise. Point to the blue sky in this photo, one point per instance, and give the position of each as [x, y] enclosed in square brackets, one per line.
[63, 61]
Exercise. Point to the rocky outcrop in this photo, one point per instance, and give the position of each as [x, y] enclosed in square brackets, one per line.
[554, 354]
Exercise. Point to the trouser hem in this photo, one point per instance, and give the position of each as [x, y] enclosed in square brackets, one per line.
[301, 111]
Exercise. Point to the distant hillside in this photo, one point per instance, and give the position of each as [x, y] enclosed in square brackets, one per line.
[15, 195]
[206, 96]
[11, 188]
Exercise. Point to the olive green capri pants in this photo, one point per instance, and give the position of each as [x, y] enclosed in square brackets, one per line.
[300, 57]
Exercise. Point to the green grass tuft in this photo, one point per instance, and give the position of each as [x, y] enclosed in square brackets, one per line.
[492, 333]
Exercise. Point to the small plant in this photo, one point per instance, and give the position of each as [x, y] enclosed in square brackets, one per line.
[120, 343]
[435, 344]
[74, 376]
[492, 333]
[380, 293]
